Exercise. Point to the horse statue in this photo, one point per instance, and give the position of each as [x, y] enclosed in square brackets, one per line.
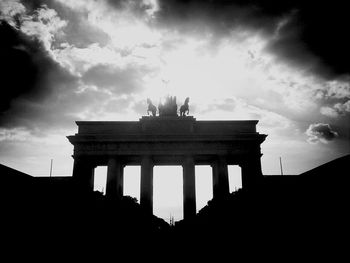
[151, 108]
[184, 108]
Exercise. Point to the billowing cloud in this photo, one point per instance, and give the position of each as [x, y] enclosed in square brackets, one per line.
[329, 111]
[343, 108]
[27, 68]
[10, 10]
[320, 132]
[338, 89]
[148, 7]
[45, 25]
[296, 29]
[49, 82]
[338, 109]
[67, 60]
[336, 97]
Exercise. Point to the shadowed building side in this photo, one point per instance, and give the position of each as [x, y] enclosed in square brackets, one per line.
[21, 187]
[332, 174]
[15, 184]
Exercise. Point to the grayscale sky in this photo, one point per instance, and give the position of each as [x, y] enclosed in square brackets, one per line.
[284, 64]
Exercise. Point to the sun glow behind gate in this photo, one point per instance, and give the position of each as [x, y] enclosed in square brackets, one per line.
[168, 183]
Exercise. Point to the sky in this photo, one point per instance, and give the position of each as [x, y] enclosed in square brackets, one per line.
[284, 63]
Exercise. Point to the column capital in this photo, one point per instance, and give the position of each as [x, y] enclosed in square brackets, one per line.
[218, 158]
[222, 157]
[88, 161]
[147, 158]
[188, 159]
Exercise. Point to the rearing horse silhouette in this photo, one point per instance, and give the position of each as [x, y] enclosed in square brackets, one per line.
[151, 108]
[184, 108]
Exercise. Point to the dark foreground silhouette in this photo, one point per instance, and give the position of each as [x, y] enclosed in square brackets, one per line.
[290, 215]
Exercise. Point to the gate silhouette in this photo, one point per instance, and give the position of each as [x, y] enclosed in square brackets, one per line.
[166, 140]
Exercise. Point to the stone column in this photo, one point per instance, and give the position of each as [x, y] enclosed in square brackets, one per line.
[146, 191]
[114, 187]
[220, 178]
[83, 175]
[251, 171]
[189, 187]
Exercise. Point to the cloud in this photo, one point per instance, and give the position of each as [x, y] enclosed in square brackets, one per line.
[27, 68]
[79, 60]
[10, 10]
[343, 108]
[136, 53]
[44, 24]
[320, 132]
[227, 104]
[329, 111]
[335, 89]
[338, 109]
[48, 82]
[140, 7]
[118, 81]
[15, 134]
[296, 31]
[126, 27]
[118, 105]
[67, 60]
[34, 86]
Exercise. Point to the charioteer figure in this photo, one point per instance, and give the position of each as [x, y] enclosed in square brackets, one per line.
[168, 108]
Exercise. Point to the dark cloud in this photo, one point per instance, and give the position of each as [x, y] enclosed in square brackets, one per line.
[34, 4]
[26, 68]
[314, 35]
[320, 132]
[137, 6]
[28, 73]
[40, 94]
[79, 32]
[58, 111]
[221, 15]
[19, 67]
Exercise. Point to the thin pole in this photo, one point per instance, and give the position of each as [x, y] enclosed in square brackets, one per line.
[281, 165]
[51, 167]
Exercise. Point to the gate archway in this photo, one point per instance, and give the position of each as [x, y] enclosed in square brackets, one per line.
[167, 140]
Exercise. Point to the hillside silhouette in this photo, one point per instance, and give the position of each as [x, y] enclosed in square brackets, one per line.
[283, 212]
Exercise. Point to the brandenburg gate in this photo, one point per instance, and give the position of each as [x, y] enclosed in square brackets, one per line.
[166, 140]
